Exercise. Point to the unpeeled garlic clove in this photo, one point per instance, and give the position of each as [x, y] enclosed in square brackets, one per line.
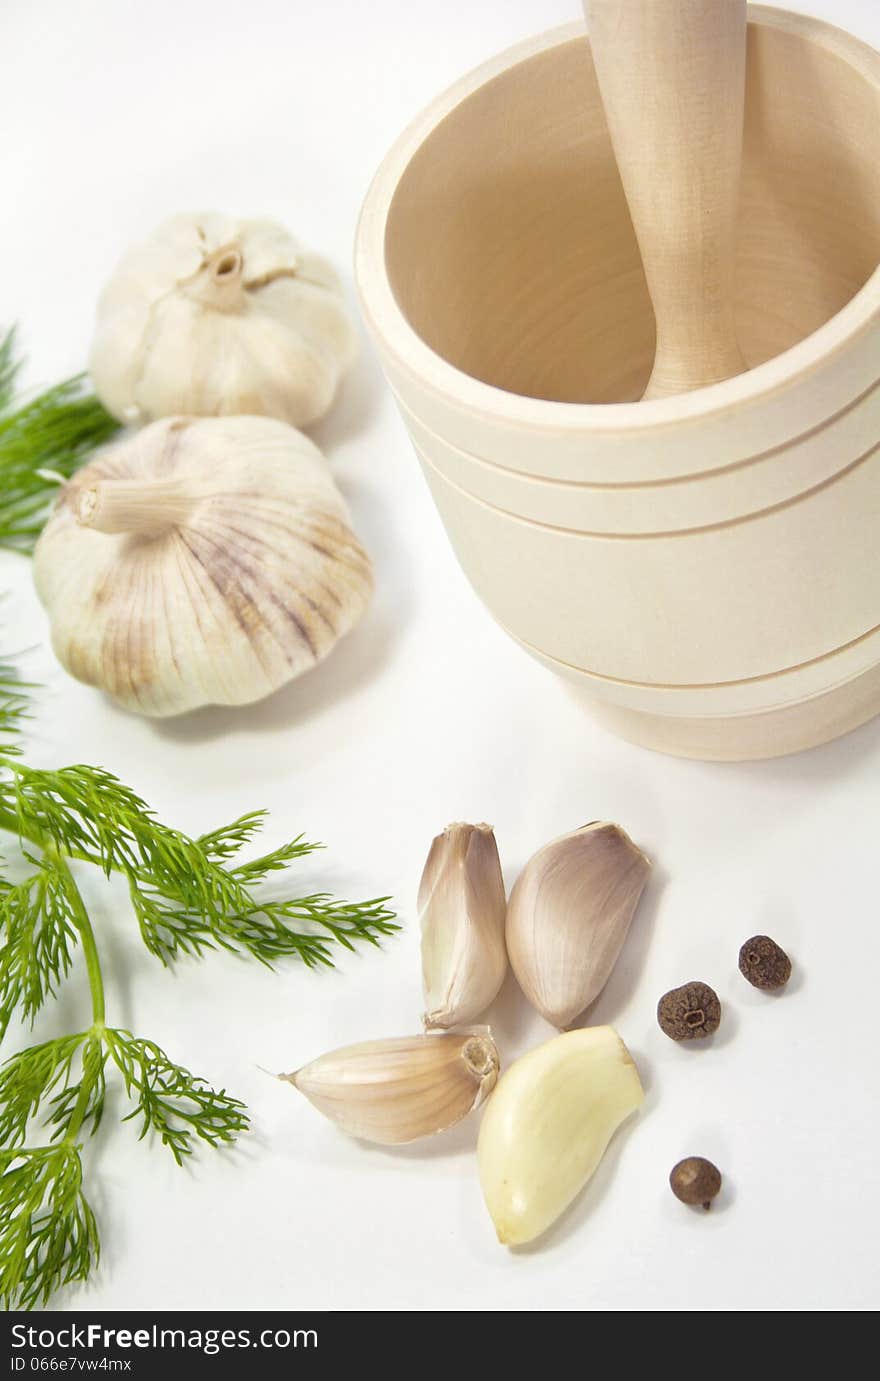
[395, 1091]
[462, 907]
[568, 917]
[548, 1124]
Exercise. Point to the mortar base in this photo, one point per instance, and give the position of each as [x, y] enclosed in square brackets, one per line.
[740, 738]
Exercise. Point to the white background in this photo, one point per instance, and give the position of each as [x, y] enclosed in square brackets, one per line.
[113, 116]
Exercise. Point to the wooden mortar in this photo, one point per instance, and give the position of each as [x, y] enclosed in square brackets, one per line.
[705, 565]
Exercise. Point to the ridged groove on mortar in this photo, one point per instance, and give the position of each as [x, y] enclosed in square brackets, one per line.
[698, 686]
[652, 536]
[667, 481]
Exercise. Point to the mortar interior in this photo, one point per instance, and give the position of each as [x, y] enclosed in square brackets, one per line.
[509, 247]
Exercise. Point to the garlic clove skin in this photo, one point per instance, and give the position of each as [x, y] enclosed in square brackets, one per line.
[200, 561]
[462, 907]
[398, 1090]
[547, 1125]
[215, 316]
[569, 914]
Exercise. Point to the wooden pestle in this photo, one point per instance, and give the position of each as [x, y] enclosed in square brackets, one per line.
[672, 78]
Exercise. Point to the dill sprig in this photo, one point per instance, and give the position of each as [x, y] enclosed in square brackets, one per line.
[48, 1233]
[188, 895]
[13, 709]
[42, 441]
[170, 1101]
[38, 940]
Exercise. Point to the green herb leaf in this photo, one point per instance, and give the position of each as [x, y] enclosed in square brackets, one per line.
[38, 938]
[10, 366]
[171, 1101]
[53, 434]
[48, 1234]
[257, 869]
[81, 1101]
[13, 710]
[225, 843]
[29, 1077]
[185, 899]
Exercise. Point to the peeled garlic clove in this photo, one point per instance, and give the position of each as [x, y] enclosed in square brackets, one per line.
[462, 907]
[201, 561]
[212, 316]
[568, 916]
[547, 1125]
[395, 1091]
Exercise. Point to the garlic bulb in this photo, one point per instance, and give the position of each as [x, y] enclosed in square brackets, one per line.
[395, 1091]
[462, 907]
[568, 916]
[548, 1124]
[200, 562]
[218, 316]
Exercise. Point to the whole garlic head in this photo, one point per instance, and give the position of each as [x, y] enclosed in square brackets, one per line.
[214, 316]
[201, 561]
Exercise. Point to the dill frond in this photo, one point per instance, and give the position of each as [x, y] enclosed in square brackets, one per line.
[48, 1233]
[170, 1101]
[42, 441]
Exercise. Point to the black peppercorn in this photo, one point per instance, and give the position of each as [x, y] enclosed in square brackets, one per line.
[764, 963]
[690, 1012]
[695, 1181]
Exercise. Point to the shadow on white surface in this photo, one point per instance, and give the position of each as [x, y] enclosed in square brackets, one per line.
[647, 1076]
[813, 766]
[512, 1019]
[810, 766]
[359, 400]
[351, 665]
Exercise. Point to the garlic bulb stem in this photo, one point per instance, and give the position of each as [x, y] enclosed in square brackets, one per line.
[219, 283]
[147, 507]
[225, 264]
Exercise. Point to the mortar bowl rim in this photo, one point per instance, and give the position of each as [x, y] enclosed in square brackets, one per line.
[426, 369]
